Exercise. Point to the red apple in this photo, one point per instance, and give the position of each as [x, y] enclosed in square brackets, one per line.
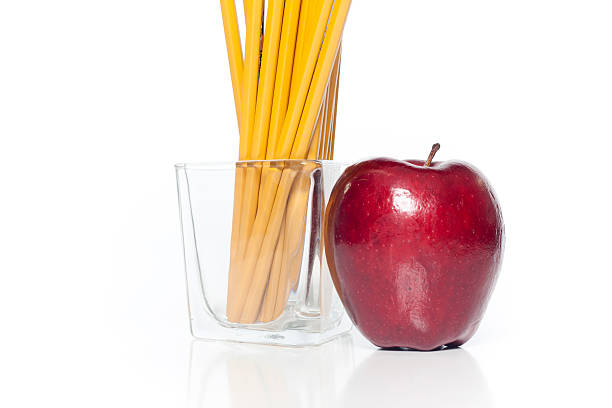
[414, 249]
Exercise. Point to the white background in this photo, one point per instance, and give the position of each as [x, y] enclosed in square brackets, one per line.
[98, 100]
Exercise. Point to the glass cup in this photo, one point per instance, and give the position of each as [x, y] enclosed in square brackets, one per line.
[254, 255]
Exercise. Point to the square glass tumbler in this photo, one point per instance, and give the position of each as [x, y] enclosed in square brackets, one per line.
[254, 254]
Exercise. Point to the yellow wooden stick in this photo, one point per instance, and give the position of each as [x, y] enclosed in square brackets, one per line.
[298, 205]
[290, 249]
[294, 241]
[283, 74]
[234, 53]
[299, 47]
[265, 93]
[322, 132]
[251, 77]
[274, 302]
[314, 11]
[245, 176]
[234, 49]
[249, 200]
[281, 95]
[321, 76]
[263, 260]
[295, 262]
[329, 109]
[296, 106]
[331, 106]
[268, 311]
[279, 108]
[317, 137]
[292, 235]
[335, 112]
[295, 229]
[327, 105]
[309, 16]
[301, 197]
[274, 179]
[234, 270]
[267, 77]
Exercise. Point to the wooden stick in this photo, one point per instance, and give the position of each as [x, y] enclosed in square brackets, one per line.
[265, 93]
[282, 82]
[290, 246]
[249, 197]
[297, 207]
[335, 113]
[288, 252]
[234, 271]
[234, 49]
[323, 154]
[269, 312]
[251, 77]
[267, 77]
[283, 74]
[321, 76]
[299, 49]
[294, 241]
[331, 107]
[311, 11]
[234, 53]
[287, 256]
[259, 137]
[264, 229]
[245, 177]
[296, 106]
[322, 134]
[314, 12]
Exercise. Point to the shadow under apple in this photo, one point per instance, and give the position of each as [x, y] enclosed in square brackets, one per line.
[448, 378]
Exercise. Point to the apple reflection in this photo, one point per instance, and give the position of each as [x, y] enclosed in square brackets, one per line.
[449, 378]
[241, 375]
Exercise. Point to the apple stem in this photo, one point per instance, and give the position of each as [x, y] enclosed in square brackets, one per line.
[434, 150]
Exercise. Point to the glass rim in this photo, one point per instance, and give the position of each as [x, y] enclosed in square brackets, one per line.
[223, 165]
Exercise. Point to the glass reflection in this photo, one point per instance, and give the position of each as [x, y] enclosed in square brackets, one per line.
[240, 375]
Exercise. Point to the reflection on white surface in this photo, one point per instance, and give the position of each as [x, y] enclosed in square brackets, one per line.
[449, 378]
[244, 375]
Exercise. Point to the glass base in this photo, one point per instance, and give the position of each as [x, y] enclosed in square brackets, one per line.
[290, 330]
[288, 337]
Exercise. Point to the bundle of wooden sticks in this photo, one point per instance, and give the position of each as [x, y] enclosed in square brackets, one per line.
[286, 94]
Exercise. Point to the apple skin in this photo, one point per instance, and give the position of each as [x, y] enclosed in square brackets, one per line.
[414, 251]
